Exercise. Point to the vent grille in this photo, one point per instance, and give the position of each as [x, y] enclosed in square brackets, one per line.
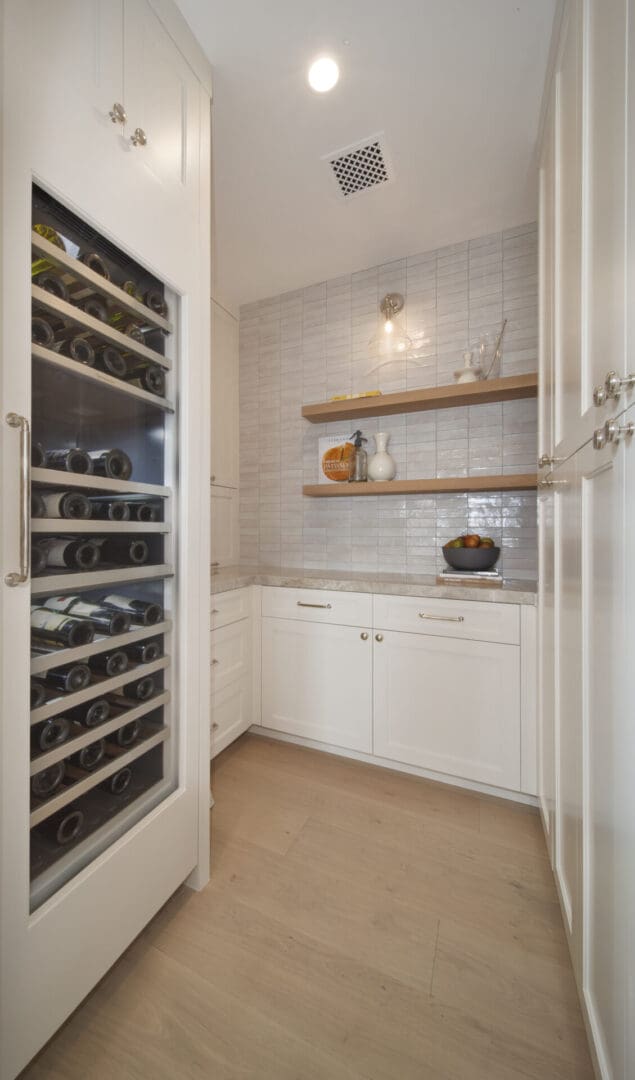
[359, 167]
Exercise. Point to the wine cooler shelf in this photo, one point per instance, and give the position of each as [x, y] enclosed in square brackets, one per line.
[95, 579]
[95, 484]
[83, 274]
[43, 662]
[99, 378]
[80, 784]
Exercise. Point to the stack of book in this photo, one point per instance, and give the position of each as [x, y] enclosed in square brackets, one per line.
[486, 578]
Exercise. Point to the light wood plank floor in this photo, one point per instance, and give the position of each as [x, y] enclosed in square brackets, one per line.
[360, 925]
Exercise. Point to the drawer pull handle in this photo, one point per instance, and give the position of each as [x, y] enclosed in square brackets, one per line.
[216, 661]
[214, 611]
[442, 618]
[215, 564]
[301, 603]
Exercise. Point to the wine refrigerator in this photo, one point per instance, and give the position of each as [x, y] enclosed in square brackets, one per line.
[99, 544]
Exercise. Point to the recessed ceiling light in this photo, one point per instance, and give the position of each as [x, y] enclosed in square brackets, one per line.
[323, 74]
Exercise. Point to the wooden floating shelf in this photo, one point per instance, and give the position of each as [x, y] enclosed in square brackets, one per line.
[510, 388]
[99, 284]
[434, 486]
[42, 662]
[57, 478]
[99, 378]
[103, 330]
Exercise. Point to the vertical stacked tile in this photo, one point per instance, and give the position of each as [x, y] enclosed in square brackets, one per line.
[313, 343]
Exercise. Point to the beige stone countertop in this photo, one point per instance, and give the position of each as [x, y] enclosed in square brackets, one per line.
[236, 577]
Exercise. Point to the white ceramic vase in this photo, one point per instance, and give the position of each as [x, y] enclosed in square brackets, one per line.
[381, 466]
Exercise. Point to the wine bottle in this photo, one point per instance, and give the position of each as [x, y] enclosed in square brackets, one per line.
[53, 284]
[139, 690]
[155, 300]
[144, 652]
[94, 307]
[38, 506]
[42, 332]
[118, 782]
[70, 678]
[143, 511]
[95, 262]
[38, 560]
[141, 611]
[113, 463]
[91, 713]
[38, 457]
[65, 504]
[51, 628]
[49, 233]
[125, 551]
[131, 289]
[110, 509]
[106, 620]
[71, 460]
[74, 554]
[128, 734]
[38, 693]
[111, 361]
[79, 349]
[109, 663]
[50, 733]
[44, 783]
[89, 757]
[64, 827]
[147, 376]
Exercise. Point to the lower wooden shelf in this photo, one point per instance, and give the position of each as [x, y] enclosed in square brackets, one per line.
[433, 486]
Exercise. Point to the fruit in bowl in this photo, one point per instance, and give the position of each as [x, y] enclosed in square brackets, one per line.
[471, 552]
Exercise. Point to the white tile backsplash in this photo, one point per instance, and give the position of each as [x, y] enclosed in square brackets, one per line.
[312, 343]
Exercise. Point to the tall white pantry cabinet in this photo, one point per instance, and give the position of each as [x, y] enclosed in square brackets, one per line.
[586, 510]
[106, 110]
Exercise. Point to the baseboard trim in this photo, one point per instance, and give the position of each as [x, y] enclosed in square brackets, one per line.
[397, 766]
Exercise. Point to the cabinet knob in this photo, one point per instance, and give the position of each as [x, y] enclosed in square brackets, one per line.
[212, 479]
[614, 384]
[364, 635]
[544, 461]
[599, 395]
[614, 431]
[379, 637]
[215, 661]
[214, 726]
[139, 137]
[118, 114]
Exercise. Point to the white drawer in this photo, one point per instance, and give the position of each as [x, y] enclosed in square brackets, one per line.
[231, 654]
[318, 605]
[449, 618]
[229, 607]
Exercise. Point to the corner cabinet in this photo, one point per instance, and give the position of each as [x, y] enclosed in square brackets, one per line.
[105, 321]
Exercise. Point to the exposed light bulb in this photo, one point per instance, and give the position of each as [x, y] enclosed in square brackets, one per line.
[323, 74]
[389, 326]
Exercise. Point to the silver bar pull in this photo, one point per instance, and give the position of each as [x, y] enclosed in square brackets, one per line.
[21, 422]
[442, 618]
[302, 604]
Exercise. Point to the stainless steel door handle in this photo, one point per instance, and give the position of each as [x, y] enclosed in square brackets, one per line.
[442, 618]
[301, 603]
[22, 576]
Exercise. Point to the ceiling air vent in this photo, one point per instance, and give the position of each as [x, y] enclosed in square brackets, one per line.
[359, 167]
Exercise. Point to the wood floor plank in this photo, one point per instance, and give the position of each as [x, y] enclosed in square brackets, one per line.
[360, 924]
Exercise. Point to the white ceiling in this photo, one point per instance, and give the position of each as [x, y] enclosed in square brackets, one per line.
[454, 85]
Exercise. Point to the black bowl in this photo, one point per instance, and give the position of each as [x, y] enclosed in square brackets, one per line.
[465, 558]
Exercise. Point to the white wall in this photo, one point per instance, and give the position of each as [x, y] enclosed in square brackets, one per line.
[307, 345]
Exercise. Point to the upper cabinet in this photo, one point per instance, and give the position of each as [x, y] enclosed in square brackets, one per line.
[224, 405]
[124, 92]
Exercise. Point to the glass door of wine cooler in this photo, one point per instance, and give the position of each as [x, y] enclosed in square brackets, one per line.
[103, 514]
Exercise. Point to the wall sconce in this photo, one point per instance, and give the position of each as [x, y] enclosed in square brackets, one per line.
[390, 342]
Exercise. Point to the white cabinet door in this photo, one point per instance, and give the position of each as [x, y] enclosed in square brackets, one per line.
[231, 714]
[449, 705]
[162, 98]
[317, 681]
[224, 525]
[569, 429]
[547, 182]
[224, 406]
[546, 684]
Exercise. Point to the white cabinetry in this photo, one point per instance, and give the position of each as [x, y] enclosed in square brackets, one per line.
[225, 437]
[449, 705]
[232, 657]
[224, 526]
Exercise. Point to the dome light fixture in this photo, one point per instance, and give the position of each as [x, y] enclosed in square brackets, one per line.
[323, 74]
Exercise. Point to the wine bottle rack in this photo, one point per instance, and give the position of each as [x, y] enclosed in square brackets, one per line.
[102, 330]
[74, 404]
[83, 274]
[43, 662]
[99, 378]
[95, 777]
[86, 736]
